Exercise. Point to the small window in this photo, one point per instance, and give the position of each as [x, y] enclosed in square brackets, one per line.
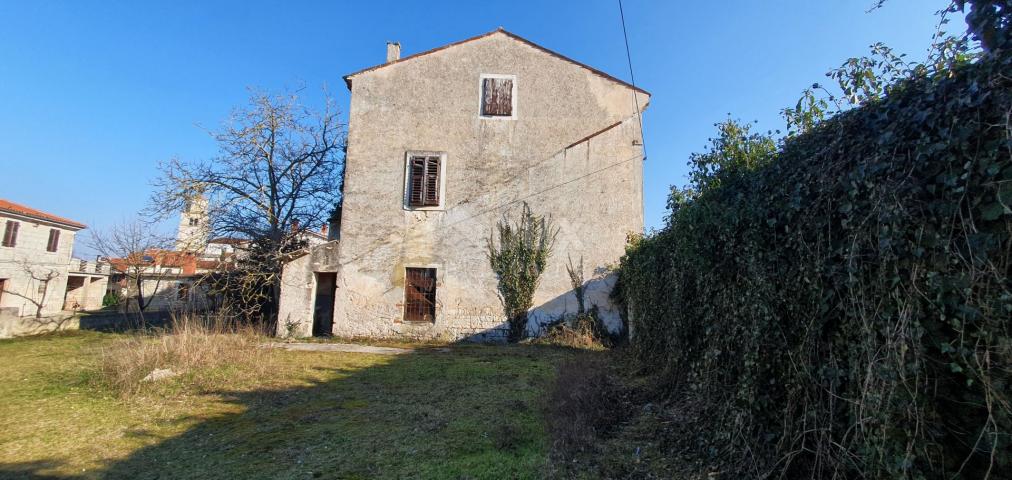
[424, 180]
[420, 295]
[11, 233]
[497, 95]
[183, 291]
[54, 240]
[194, 222]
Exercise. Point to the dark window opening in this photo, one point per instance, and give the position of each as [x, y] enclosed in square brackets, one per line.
[183, 291]
[194, 222]
[11, 234]
[423, 181]
[497, 97]
[420, 295]
[54, 240]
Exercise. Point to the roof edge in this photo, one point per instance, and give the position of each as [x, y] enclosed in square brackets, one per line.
[10, 208]
[347, 78]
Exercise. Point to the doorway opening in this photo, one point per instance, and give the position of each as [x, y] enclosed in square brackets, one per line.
[323, 311]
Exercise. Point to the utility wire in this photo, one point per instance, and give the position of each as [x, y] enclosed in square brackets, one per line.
[632, 78]
[539, 192]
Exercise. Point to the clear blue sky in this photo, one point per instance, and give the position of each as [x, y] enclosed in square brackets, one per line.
[94, 94]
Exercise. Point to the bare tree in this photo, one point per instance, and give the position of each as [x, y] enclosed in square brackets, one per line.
[278, 174]
[137, 250]
[41, 277]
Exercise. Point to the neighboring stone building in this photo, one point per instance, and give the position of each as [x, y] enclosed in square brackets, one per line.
[171, 278]
[440, 145]
[38, 274]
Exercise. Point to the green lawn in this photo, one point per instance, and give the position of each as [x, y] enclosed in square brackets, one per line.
[475, 412]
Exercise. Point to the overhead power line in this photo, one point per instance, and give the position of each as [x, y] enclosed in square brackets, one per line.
[632, 78]
[539, 192]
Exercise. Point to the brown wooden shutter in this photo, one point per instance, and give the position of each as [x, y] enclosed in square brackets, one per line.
[54, 240]
[432, 182]
[11, 234]
[420, 294]
[497, 97]
[416, 182]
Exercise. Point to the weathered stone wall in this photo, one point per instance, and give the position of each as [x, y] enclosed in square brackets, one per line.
[592, 188]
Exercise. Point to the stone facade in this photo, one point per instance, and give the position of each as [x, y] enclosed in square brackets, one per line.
[37, 269]
[570, 149]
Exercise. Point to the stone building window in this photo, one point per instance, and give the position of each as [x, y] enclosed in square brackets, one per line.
[54, 240]
[498, 96]
[11, 233]
[420, 294]
[194, 222]
[424, 180]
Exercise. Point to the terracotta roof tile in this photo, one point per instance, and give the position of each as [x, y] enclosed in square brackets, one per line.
[18, 209]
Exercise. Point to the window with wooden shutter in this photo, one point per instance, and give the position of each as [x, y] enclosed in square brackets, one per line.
[420, 294]
[497, 96]
[54, 240]
[11, 233]
[424, 180]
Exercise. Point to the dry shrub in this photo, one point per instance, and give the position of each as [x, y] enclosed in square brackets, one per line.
[206, 353]
[585, 404]
[584, 331]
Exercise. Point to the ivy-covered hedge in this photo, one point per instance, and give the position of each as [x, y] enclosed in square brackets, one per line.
[846, 310]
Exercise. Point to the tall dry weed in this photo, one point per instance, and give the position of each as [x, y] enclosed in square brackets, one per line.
[204, 353]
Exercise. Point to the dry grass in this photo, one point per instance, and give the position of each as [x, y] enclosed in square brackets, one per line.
[583, 332]
[205, 353]
[316, 415]
[585, 404]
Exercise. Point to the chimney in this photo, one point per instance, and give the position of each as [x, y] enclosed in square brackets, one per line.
[393, 51]
[295, 225]
[323, 230]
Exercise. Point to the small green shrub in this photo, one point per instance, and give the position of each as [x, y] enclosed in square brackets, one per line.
[110, 299]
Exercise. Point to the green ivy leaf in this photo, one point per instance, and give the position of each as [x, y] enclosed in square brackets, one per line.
[993, 211]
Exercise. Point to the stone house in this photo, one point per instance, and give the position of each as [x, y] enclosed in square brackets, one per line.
[38, 273]
[440, 145]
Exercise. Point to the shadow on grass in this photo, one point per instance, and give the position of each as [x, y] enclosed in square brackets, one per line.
[473, 412]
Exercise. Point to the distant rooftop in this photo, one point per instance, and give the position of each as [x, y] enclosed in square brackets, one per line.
[18, 209]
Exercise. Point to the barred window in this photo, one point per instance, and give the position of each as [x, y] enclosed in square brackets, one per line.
[420, 295]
